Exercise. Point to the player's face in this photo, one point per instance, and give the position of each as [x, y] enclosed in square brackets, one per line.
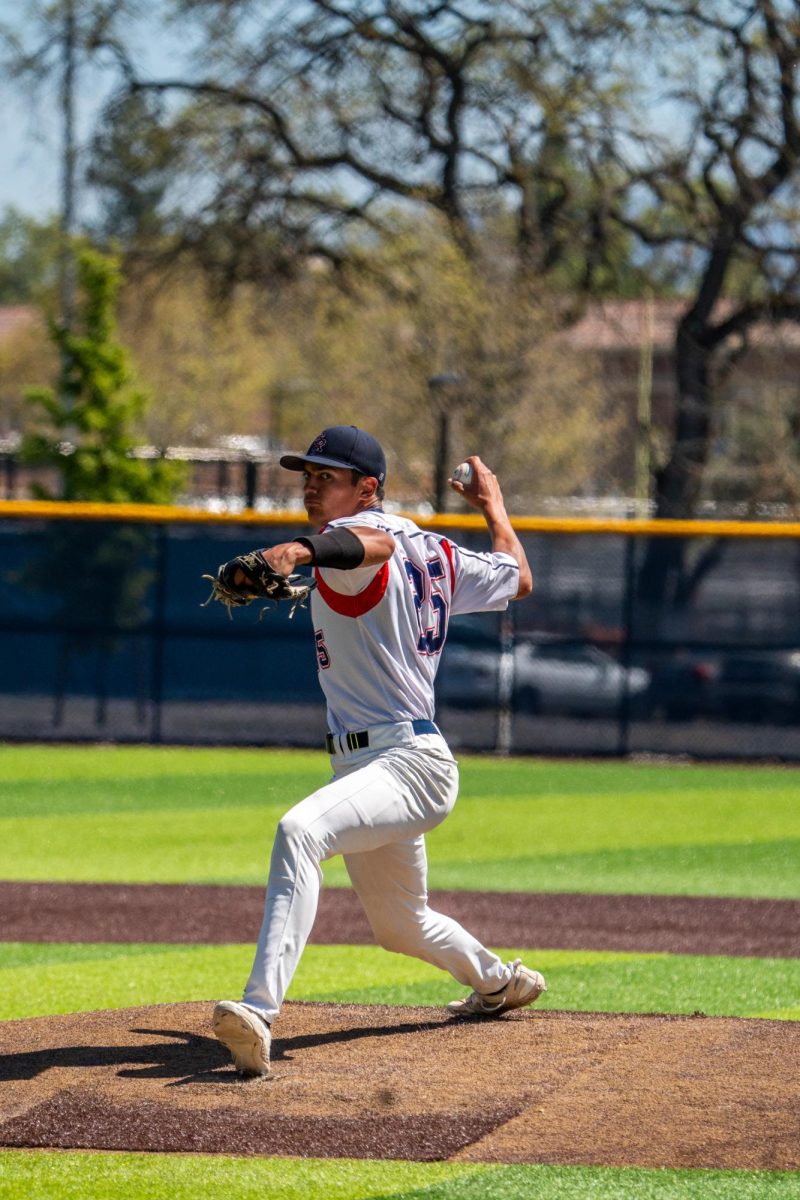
[329, 492]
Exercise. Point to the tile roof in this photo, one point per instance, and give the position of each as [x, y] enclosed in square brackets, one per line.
[14, 317]
[629, 324]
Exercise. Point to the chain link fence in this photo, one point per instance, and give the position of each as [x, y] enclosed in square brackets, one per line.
[104, 637]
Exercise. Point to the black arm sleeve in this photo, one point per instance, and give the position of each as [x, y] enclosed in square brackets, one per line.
[339, 548]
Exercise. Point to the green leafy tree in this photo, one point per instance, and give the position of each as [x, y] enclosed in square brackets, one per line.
[618, 144]
[88, 427]
[101, 574]
[29, 251]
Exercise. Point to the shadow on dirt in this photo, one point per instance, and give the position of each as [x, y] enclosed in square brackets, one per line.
[189, 1058]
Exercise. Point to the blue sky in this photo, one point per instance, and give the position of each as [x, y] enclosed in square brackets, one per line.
[28, 151]
[30, 131]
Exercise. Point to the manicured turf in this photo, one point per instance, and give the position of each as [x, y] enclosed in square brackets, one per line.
[66, 1176]
[39, 979]
[174, 815]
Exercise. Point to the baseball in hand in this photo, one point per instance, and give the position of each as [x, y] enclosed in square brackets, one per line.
[464, 474]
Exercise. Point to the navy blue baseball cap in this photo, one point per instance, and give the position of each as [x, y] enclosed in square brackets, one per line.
[342, 446]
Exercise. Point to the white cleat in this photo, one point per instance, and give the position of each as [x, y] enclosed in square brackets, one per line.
[245, 1034]
[523, 988]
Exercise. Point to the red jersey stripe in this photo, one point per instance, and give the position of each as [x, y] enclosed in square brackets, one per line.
[362, 602]
[448, 549]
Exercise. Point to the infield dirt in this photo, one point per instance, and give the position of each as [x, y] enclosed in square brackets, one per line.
[410, 1083]
[182, 913]
[413, 1083]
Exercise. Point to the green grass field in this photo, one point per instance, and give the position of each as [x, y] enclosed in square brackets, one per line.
[177, 815]
[44, 1176]
[207, 816]
[39, 979]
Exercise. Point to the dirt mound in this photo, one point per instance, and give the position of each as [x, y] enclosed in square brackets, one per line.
[412, 1083]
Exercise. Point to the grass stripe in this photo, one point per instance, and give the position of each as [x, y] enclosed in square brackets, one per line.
[58, 1175]
[144, 814]
[37, 980]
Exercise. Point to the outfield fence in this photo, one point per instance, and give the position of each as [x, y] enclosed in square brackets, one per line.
[641, 637]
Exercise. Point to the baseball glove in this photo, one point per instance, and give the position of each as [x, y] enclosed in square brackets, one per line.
[261, 582]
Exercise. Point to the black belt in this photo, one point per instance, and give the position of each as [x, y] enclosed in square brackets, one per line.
[359, 739]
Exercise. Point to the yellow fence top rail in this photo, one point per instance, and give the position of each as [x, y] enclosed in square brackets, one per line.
[166, 514]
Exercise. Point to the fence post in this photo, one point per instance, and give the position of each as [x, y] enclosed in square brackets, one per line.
[628, 613]
[159, 632]
[505, 684]
[250, 483]
[10, 464]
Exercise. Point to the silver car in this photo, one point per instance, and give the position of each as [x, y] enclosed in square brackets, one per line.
[544, 677]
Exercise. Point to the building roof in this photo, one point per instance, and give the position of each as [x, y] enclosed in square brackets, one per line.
[622, 324]
[610, 325]
[15, 317]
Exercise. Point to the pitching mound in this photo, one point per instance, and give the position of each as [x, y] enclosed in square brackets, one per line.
[412, 1083]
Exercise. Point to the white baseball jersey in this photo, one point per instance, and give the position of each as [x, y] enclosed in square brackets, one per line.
[380, 630]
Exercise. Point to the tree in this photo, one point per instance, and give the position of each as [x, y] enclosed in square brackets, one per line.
[533, 132]
[726, 205]
[529, 117]
[756, 464]
[88, 430]
[100, 573]
[29, 251]
[305, 121]
[446, 315]
[27, 357]
[132, 164]
[360, 344]
[321, 135]
[211, 367]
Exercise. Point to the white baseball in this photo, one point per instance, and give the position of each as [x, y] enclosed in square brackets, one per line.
[464, 474]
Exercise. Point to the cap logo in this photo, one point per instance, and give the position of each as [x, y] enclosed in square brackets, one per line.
[318, 445]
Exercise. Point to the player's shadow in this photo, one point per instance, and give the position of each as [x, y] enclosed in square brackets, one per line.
[189, 1058]
[281, 1048]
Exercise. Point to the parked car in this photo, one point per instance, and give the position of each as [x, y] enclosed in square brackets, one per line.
[759, 686]
[546, 677]
[681, 686]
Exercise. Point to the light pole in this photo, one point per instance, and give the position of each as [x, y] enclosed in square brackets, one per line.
[283, 393]
[644, 414]
[443, 389]
[69, 37]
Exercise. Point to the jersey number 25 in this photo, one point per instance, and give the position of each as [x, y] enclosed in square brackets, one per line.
[430, 603]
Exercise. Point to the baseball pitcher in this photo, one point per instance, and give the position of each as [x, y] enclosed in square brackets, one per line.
[381, 595]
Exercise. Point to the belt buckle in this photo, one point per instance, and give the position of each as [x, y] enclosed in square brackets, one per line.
[354, 740]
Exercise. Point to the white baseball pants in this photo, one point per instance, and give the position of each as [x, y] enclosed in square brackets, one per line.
[376, 810]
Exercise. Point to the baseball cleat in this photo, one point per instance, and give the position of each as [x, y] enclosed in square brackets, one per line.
[523, 988]
[245, 1034]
